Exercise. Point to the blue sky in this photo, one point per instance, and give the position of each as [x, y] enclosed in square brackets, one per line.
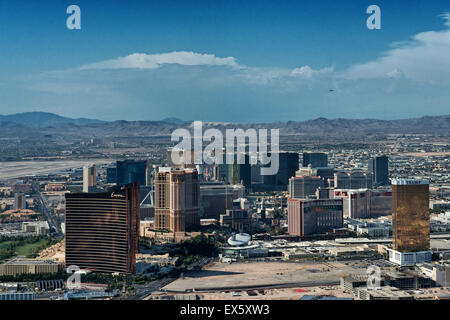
[233, 61]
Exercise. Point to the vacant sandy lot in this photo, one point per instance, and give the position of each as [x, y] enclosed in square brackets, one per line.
[222, 276]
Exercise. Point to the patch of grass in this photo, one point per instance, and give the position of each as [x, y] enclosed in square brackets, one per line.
[27, 249]
[5, 244]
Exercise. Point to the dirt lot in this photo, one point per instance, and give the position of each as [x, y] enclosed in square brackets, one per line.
[250, 274]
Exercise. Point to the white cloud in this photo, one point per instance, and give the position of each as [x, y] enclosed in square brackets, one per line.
[424, 58]
[153, 61]
[446, 16]
[411, 75]
[308, 72]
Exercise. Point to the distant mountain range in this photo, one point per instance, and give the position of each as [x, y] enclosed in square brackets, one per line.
[43, 120]
[39, 124]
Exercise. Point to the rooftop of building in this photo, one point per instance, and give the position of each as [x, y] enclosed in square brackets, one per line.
[409, 181]
[25, 261]
[386, 292]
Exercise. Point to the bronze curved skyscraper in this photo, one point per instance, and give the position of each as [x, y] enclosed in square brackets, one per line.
[102, 229]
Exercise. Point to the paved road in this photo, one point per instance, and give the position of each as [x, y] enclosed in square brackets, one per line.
[48, 212]
[143, 291]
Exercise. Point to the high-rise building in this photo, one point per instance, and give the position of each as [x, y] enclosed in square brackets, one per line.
[111, 174]
[288, 165]
[410, 221]
[216, 198]
[89, 178]
[240, 173]
[130, 171]
[237, 220]
[303, 187]
[19, 201]
[315, 159]
[380, 203]
[356, 202]
[379, 168]
[364, 203]
[352, 180]
[221, 172]
[177, 199]
[326, 173]
[309, 217]
[102, 229]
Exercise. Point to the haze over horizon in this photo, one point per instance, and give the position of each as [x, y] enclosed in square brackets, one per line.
[226, 61]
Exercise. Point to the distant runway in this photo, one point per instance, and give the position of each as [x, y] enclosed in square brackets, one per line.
[16, 169]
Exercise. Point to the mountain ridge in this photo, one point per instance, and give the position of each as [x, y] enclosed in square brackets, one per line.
[42, 123]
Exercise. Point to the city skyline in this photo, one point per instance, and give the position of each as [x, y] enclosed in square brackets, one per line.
[210, 157]
[211, 62]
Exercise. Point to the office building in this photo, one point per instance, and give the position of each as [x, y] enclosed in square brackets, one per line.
[364, 203]
[352, 180]
[177, 199]
[36, 227]
[240, 173]
[20, 187]
[356, 202]
[11, 296]
[410, 222]
[324, 193]
[315, 159]
[147, 212]
[215, 199]
[288, 165]
[237, 220]
[220, 172]
[310, 217]
[89, 178]
[20, 265]
[380, 203]
[384, 293]
[325, 173]
[131, 171]
[19, 201]
[102, 229]
[111, 175]
[304, 187]
[379, 168]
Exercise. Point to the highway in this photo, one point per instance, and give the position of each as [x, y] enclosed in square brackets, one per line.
[48, 212]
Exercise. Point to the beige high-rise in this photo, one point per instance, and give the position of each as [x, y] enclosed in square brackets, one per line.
[89, 178]
[177, 204]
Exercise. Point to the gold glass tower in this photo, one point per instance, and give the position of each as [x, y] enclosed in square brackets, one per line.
[410, 215]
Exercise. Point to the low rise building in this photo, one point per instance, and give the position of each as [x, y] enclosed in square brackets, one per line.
[9, 296]
[20, 265]
[309, 217]
[384, 293]
[36, 227]
[237, 220]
